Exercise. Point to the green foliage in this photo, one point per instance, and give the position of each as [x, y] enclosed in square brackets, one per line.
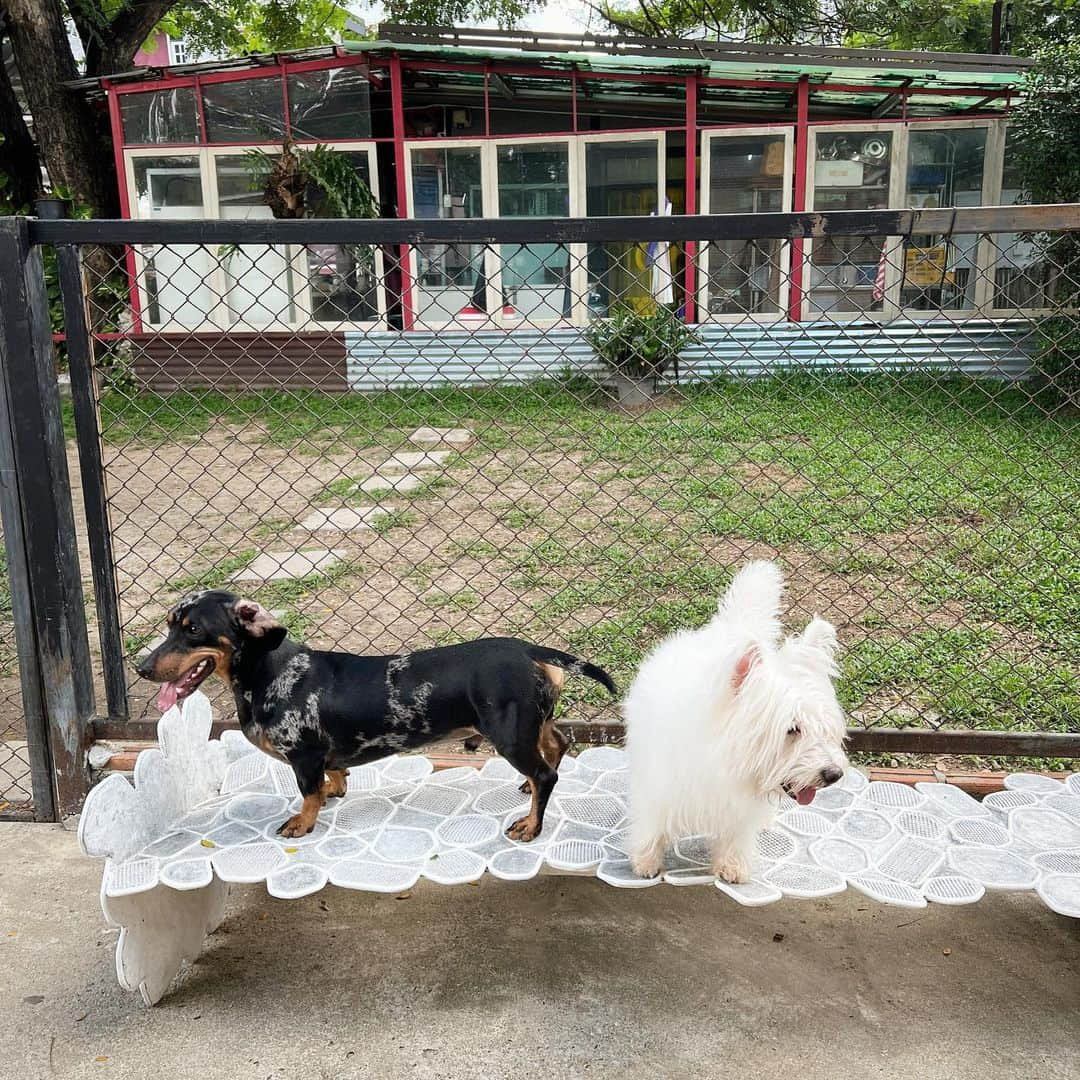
[1046, 124]
[107, 300]
[327, 179]
[339, 190]
[326, 184]
[938, 25]
[505, 13]
[754, 20]
[637, 345]
[239, 27]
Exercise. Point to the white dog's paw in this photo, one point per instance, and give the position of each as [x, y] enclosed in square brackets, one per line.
[647, 865]
[731, 867]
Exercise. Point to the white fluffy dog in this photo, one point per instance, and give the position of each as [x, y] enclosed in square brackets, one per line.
[724, 720]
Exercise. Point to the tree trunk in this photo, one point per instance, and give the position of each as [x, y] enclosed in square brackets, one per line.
[73, 138]
[18, 155]
[106, 54]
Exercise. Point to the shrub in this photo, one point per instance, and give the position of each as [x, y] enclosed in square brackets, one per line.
[640, 346]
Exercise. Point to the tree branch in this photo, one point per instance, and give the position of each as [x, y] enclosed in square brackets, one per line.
[115, 50]
[88, 21]
[73, 139]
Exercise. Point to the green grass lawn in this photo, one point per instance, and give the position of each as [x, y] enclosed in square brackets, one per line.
[935, 520]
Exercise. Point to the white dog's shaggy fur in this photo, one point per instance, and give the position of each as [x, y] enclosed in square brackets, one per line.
[724, 720]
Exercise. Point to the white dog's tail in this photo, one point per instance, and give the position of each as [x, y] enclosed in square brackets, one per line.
[753, 599]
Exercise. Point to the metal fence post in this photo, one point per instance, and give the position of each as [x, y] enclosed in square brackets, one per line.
[91, 466]
[39, 520]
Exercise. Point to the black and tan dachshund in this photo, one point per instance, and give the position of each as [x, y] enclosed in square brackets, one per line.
[322, 712]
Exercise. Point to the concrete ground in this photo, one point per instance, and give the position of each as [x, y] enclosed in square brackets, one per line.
[557, 977]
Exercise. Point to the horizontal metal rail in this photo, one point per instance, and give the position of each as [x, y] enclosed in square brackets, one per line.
[859, 740]
[983, 219]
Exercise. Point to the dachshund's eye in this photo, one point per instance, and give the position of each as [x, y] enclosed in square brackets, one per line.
[192, 629]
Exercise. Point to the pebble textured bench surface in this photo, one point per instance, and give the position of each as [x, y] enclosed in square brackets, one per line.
[204, 812]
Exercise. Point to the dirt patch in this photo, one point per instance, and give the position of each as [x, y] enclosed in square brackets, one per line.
[770, 479]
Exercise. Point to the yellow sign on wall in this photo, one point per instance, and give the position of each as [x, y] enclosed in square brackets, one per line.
[925, 266]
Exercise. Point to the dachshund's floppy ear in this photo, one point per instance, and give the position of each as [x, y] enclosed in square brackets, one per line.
[256, 622]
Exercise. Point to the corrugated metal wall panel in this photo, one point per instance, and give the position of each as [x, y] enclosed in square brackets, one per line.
[240, 361]
[376, 361]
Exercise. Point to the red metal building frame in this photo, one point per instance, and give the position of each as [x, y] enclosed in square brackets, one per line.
[396, 65]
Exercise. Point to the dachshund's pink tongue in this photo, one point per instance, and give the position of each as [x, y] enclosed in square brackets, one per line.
[167, 696]
[804, 797]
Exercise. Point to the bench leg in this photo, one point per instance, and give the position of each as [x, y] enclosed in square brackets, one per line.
[159, 930]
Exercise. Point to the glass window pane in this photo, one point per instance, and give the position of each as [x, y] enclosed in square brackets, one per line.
[259, 282]
[160, 116]
[177, 281]
[534, 181]
[944, 168]
[247, 110]
[527, 105]
[620, 178]
[746, 176]
[450, 279]
[1024, 276]
[330, 104]
[852, 171]
[344, 286]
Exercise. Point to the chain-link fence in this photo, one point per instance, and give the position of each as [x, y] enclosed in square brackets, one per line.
[16, 794]
[577, 431]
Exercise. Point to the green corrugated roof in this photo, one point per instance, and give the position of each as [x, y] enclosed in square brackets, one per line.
[879, 75]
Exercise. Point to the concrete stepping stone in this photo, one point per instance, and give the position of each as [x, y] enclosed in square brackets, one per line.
[286, 565]
[343, 519]
[416, 459]
[430, 436]
[378, 482]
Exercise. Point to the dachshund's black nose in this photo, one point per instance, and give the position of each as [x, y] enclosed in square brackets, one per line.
[144, 668]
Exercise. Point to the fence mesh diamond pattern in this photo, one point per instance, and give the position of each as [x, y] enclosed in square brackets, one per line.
[889, 417]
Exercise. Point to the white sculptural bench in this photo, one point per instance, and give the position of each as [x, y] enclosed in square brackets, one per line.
[203, 814]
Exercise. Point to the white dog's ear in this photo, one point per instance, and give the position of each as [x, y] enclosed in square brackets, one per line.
[743, 666]
[820, 635]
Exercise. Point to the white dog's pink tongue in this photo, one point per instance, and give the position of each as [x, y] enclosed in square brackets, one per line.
[167, 696]
[803, 797]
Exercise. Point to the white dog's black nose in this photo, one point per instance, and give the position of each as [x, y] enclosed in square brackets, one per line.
[830, 775]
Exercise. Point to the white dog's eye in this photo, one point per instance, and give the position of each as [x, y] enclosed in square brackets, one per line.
[795, 730]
